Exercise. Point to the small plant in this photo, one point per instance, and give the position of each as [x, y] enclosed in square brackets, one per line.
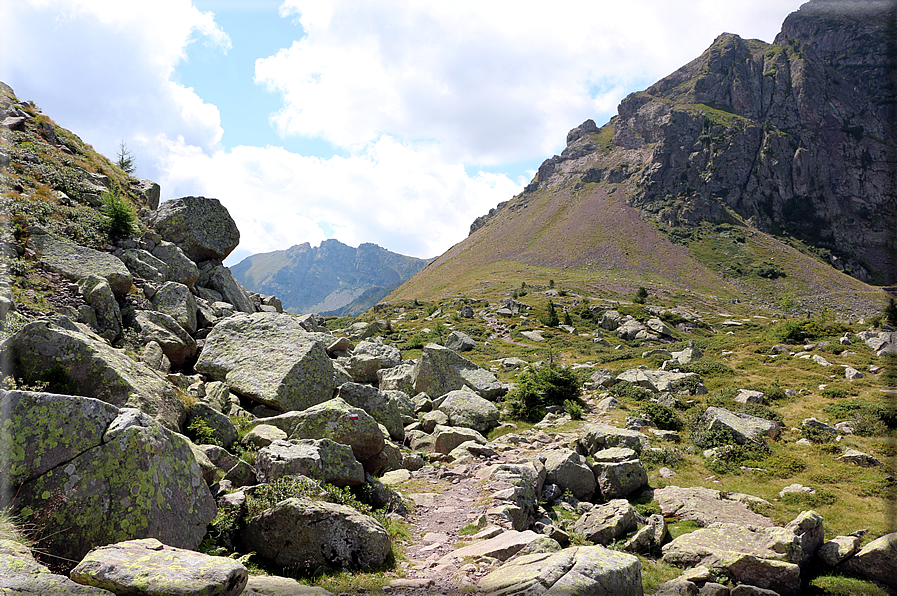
[833, 393]
[567, 320]
[640, 295]
[574, 410]
[201, 433]
[664, 418]
[125, 160]
[120, 218]
[551, 319]
[540, 387]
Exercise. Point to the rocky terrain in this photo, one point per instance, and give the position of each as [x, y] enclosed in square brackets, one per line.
[332, 279]
[610, 417]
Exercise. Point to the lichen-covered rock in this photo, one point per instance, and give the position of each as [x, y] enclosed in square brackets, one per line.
[744, 428]
[376, 403]
[465, 408]
[460, 342]
[526, 482]
[570, 471]
[834, 551]
[74, 262]
[137, 480]
[603, 524]
[596, 437]
[575, 571]
[176, 343]
[342, 423]
[400, 378]
[649, 537]
[707, 506]
[148, 567]
[441, 370]
[220, 279]
[263, 435]
[447, 438]
[98, 294]
[180, 268]
[659, 381]
[369, 357]
[269, 358]
[175, 300]
[75, 363]
[320, 459]
[219, 427]
[271, 585]
[305, 534]
[200, 226]
[859, 458]
[21, 575]
[619, 479]
[144, 265]
[501, 547]
[876, 561]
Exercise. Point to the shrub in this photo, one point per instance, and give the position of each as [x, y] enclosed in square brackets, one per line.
[640, 295]
[540, 387]
[574, 410]
[783, 465]
[890, 313]
[707, 367]
[627, 390]
[201, 433]
[664, 418]
[834, 393]
[120, 218]
[551, 319]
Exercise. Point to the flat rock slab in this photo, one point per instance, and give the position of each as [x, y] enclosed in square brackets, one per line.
[74, 262]
[576, 571]
[20, 574]
[706, 506]
[264, 585]
[502, 547]
[149, 567]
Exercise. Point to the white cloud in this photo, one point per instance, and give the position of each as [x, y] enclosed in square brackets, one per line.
[407, 199]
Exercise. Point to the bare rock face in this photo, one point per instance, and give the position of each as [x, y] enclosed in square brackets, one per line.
[201, 227]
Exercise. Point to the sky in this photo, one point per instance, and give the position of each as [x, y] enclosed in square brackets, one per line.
[396, 122]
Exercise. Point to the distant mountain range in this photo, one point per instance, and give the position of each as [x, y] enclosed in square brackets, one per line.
[756, 169]
[331, 279]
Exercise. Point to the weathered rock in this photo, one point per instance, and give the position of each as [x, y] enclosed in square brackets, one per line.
[809, 533]
[342, 423]
[21, 575]
[220, 279]
[441, 370]
[460, 342]
[649, 537]
[838, 549]
[619, 479]
[320, 459]
[570, 471]
[306, 534]
[269, 358]
[603, 524]
[403, 403]
[576, 571]
[676, 587]
[526, 482]
[446, 438]
[399, 378]
[369, 357]
[429, 421]
[659, 327]
[263, 435]
[176, 343]
[746, 396]
[149, 567]
[660, 381]
[876, 561]
[859, 458]
[135, 480]
[469, 450]
[144, 265]
[220, 427]
[74, 262]
[501, 547]
[175, 300]
[180, 268]
[376, 403]
[707, 506]
[98, 294]
[201, 227]
[465, 408]
[75, 363]
[744, 428]
[271, 585]
[596, 437]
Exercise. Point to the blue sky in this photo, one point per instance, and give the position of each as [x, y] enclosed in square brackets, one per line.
[395, 122]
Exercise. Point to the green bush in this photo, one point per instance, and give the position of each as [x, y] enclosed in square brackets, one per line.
[664, 418]
[574, 410]
[707, 367]
[551, 319]
[627, 390]
[120, 218]
[537, 388]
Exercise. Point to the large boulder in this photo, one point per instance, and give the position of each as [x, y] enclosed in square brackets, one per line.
[465, 408]
[144, 265]
[269, 358]
[659, 381]
[175, 300]
[460, 342]
[305, 534]
[219, 427]
[603, 524]
[176, 343]
[876, 561]
[74, 262]
[570, 471]
[342, 423]
[148, 567]
[201, 227]
[21, 575]
[97, 481]
[441, 370]
[320, 459]
[575, 571]
[99, 295]
[75, 363]
[447, 438]
[369, 357]
[180, 268]
[707, 506]
[399, 378]
[618, 479]
[596, 437]
[744, 428]
[272, 585]
[501, 547]
[376, 403]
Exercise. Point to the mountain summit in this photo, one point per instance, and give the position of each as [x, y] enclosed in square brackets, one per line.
[753, 163]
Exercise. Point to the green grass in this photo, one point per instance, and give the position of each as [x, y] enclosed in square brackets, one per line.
[836, 584]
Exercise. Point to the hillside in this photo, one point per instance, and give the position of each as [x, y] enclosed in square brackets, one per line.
[755, 172]
[332, 278]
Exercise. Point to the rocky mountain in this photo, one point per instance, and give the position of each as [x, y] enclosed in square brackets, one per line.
[749, 172]
[332, 278]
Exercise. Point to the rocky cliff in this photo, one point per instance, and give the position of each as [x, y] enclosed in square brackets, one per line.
[329, 278]
[796, 137]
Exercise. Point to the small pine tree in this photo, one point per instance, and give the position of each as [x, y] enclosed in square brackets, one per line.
[641, 295]
[567, 320]
[119, 216]
[890, 313]
[552, 319]
[125, 159]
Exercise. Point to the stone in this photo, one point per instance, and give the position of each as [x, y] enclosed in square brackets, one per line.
[220, 279]
[649, 537]
[603, 524]
[748, 590]
[501, 547]
[619, 479]
[320, 459]
[810, 534]
[859, 458]
[795, 488]
[220, 427]
[98, 294]
[305, 534]
[149, 567]
[446, 438]
[429, 421]
[144, 265]
[263, 435]
[200, 226]
[659, 327]
[149, 191]
[608, 404]
[75, 363]
[677, 586]
[176, 343]
[135, 479]
[20, 574]
[175, 300]
[812, 423]
[467, 409]
[155, 358]
[707, 506]
[74, 262]
[660, 381]
[526, 482]
[596, 437]
[369, 357]
[460, 342]
[838, 549]
[851, 374]
[575, 571]
[441, 370]
[469, 450]
[342, 423]
[398, 378]
[376, 403]
[271, 585]
[269, 358]
[876, 561]
[744, 428]
[570, 471]
[180, 268]
[747, 396]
